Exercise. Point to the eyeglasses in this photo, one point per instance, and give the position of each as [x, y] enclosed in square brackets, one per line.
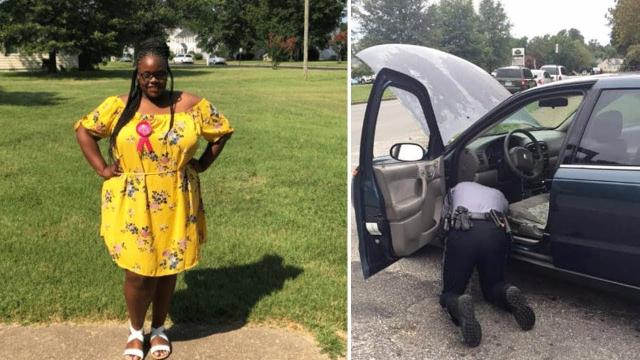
[158, 75]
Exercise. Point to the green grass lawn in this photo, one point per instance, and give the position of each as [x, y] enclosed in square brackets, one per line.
[275, 202]
[360, 93]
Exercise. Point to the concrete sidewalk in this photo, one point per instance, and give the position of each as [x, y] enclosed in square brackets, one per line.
[107, 341]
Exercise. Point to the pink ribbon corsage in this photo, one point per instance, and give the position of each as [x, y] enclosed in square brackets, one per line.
[144, 130]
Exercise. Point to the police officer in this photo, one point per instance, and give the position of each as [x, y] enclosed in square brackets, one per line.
[478, 235]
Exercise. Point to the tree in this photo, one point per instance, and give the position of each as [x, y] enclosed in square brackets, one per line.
[495, 28]
[383, 21]
[624, 19]
[572, 52]
[249, 23]
[339, 44]
[632, 60]
[92, 29]
[459, 28]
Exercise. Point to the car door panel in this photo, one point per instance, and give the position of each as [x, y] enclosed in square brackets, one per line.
[413, 194]
[594, 221]
[393, 198]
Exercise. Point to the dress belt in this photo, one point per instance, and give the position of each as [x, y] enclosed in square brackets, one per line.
[153, 173]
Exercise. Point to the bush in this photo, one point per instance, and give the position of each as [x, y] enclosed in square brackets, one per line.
[632, 60]
[197, 56]
[360, 70]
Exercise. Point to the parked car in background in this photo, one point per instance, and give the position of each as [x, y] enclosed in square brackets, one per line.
[183, 59]
[355, 81]
[515, 78]
[125, 58]
[542, 77]
[557, 72]
[572, 181]
[367, 79]
[216, 60]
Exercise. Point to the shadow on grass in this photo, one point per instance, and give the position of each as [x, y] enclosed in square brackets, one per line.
[220, 300]
[23, 98]
[97, 74]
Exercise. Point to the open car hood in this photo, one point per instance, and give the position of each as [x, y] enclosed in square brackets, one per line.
[460, 92]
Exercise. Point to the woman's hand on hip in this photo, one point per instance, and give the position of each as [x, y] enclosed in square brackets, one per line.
[110, 171]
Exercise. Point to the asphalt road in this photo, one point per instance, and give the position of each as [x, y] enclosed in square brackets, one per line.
[395, 314]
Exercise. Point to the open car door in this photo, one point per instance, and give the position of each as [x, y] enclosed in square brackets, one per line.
[398, 204]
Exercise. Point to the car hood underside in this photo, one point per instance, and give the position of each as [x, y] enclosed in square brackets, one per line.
[460, 92]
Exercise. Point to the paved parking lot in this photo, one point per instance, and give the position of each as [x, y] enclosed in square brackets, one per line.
[396, 315]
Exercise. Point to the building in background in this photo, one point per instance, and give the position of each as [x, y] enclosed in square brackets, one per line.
[611, 65]
[183, 41]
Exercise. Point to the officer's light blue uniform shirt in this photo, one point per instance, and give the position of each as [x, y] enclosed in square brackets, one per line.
[478, 198]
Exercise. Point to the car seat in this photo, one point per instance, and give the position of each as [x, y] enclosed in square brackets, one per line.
[604, 138]
[529, 217]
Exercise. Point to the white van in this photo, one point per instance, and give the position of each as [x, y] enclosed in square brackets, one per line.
[557, 72]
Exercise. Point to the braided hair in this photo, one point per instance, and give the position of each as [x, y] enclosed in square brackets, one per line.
[153, 46]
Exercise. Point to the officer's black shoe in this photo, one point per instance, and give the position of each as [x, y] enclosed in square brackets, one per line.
[518, 306]
[469, 326]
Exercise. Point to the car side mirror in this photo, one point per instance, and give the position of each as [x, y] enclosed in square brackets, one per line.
[553, 102]
[407, 152]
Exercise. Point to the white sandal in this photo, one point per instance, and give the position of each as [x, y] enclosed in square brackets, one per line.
[135, 335]
[160, 347]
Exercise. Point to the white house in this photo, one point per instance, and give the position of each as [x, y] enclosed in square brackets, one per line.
[182, 41]
[17, 61]
[611, 65]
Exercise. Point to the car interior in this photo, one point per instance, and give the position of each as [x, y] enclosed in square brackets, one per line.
[526, 186]
[610, 138]
[533, 136]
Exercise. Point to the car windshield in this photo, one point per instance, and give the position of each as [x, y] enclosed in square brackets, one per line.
[508, 73]
[550, 69]
[535, 117]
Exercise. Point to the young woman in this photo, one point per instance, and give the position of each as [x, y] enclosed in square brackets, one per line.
[152, 213]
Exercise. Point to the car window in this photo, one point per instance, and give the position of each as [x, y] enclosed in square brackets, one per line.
[396, 124]
[528, 74]
[535, 115]
[612, 135]
[550, 69]
[507, 72]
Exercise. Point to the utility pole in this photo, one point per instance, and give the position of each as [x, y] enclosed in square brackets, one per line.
[306, 40]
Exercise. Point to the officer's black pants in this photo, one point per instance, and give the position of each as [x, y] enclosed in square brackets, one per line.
[485, 247]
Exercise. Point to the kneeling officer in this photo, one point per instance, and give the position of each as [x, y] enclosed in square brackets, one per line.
[478, 234]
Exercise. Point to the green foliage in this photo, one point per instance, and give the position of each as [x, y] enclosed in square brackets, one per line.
[600, 52]
[632, 59]
[359, 69]
[247, 24]
[624, 19]
[495, 28]
[401, 22]
[573, 53]
[459, 27]
[451, 25]
[92, 29]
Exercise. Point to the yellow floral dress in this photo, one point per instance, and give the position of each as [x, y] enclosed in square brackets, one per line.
[152, 215]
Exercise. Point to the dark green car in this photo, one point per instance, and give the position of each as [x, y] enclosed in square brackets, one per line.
[566, 155]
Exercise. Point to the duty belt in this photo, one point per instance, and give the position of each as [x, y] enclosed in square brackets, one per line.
[460, 219]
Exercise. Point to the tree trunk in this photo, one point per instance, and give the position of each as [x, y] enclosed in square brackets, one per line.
[52, 67]
[84, 61]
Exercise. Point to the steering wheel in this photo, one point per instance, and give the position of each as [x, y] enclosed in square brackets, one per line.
[520, 159]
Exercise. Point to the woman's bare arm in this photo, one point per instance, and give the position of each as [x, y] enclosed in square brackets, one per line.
[210, 154]
[91, 151]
